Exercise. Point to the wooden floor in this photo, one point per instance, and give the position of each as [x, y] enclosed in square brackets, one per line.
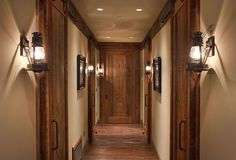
[120, 142]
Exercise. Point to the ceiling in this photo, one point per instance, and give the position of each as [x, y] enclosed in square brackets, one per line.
[119, 21]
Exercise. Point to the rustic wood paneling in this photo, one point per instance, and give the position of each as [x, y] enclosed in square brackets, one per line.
[120, 91]
[43, 14]
[58, 86]
[185, 85]
[52, 89]
[91, 90]
[148, 91]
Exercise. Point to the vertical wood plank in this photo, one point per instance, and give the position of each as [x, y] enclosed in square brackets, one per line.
[185, 85]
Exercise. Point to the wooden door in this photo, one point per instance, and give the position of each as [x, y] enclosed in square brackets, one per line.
[121, 84]
[58, 75]
[185, 85]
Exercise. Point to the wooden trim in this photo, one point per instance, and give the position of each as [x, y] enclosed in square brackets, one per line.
[193, 94]
[77, 19]
[66, 90]
[85, 148]
[44, 25]
[161, 20]
[194, 87]
[91, 90]
[154, 146]
[148, 87]
[43, 21]
[120, 45]
[60, 5]
[79, 142]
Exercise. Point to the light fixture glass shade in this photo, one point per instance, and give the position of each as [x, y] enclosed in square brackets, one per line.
[90, 68]
[195, 54]
[39, 54]
[148, 69]
[99, 70]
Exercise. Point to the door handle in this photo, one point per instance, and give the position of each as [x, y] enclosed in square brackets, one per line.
[145, 100]
[181, 123]
[94, 100]
[55, 143]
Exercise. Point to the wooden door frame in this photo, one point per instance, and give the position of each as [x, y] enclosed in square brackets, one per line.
[91, 91]
[193, 97]
[147, 46]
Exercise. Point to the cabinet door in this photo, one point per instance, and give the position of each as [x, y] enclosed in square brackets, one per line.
[58, 89]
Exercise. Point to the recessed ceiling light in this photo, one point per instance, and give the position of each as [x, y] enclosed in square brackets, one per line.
[139, 9]
[99, 9]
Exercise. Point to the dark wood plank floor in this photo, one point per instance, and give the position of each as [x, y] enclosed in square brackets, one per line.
[120, 142]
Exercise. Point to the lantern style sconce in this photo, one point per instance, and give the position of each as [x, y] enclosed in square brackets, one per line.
[148, 68]
[100, 70]
[199, 55]
[90, 68]
[36, 56]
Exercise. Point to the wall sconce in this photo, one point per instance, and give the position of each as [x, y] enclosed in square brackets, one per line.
[36, 57]
[90, 68]
[199, 55]
[100, 70]
[148, 68]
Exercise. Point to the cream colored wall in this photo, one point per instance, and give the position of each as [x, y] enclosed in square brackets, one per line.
[218, 90]
[97, 89]
[17, 86]
[142, 85]
[77, 100]
[161, 46]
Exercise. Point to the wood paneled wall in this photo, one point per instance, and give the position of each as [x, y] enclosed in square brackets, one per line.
[91, 89]
[185, 85]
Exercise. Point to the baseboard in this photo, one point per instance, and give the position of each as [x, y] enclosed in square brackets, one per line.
[154, 146]
[85, 148]
[141, 121]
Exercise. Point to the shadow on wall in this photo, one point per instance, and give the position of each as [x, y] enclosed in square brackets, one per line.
[6, 80]
[24, 13]
[218, 136]
[17, 119]
[211, 10]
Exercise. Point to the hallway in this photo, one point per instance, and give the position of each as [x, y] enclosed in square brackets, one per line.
[120, 142]
[117, 80]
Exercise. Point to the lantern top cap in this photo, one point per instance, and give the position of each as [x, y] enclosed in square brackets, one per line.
[37, 40]
[197, 39]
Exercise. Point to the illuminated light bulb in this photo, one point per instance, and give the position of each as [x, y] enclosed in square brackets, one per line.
[39, 54]
[195, 54]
